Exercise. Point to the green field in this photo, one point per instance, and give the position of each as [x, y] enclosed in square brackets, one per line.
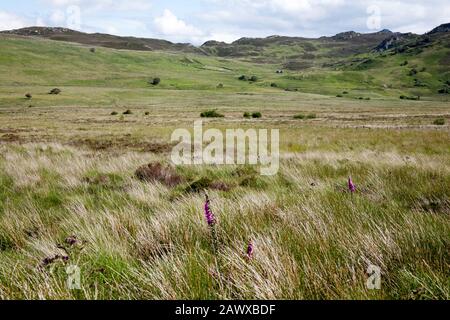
[67, 169]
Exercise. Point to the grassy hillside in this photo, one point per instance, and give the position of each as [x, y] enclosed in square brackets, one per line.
[26, 63]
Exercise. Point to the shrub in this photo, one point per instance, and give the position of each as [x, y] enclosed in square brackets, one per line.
[155, 81]
[247, 115]
[339, 96]
[220, 86]
[28, 96]
[128, 112]
[114, 113]
[92, 50]
[253, 79]
[55, 91]
[439, 122]
[256, 115]
[273, 85]
[243, 78]
[413, 72]
[405, 63]
[311, 116]
[367, 98]
[444, 90]
[299, 116]
[211, 114]
[344, 92]
[147, 113]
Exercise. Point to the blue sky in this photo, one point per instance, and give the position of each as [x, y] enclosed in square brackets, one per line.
[196, 21]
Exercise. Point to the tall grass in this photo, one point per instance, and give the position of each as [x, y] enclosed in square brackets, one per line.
[311, 238]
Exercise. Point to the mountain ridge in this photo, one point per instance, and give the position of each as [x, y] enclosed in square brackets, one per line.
[294, 53]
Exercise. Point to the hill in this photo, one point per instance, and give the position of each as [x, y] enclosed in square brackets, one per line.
[103, 40]
[298, 53]
[350, 64]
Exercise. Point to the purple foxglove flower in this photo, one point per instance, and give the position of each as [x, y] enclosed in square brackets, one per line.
[210, 219]
[250, 250]
[351, 186]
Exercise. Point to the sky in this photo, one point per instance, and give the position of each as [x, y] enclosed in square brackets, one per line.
[196, 21]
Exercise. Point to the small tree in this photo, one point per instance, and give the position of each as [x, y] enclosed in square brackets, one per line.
[439, 122]
[155, 81]
[55, 91]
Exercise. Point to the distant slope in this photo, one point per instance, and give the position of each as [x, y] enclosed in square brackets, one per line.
[103, 40]
[415, 66]
[298, 53]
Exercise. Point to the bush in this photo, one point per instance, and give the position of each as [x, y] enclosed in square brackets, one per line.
[220, 86]
[444, 90]
[128, 112]
[92, 50]
[211, 114]
[28, 96]
[404, 63]
[344, 92]
[273, 85]
[311, 116]
[403, 97]
[243, 78]
[413, 72]
[299, 116]
[155, 81]
[368, 98]
[339, 96]
[114, 113]
[439, 122]
[147, 113]
[247, 115]
[256, 115]
[55, 91]
[253, 79]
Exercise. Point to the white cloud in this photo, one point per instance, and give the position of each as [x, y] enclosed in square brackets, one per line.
[169, 25]
[95, 5]
[58, 17]
[10, 21]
